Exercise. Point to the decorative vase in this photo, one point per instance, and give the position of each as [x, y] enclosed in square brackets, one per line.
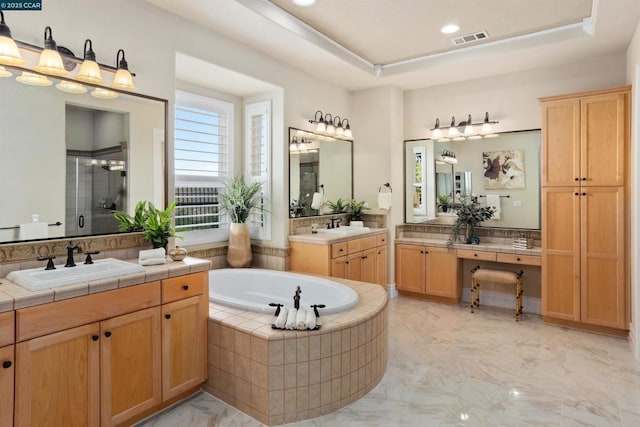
[468, 231]
[239, 250]
[178, 254]
[356, 223]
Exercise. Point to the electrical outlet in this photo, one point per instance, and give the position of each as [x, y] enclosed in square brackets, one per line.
[517, 203]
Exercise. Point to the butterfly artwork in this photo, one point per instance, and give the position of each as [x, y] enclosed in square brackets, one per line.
[503, 169]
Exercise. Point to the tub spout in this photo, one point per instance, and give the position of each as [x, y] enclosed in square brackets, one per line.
[296, 298]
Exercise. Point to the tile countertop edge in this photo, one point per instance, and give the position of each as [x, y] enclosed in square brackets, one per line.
[535, 251]
[14, 297]
[328, 238]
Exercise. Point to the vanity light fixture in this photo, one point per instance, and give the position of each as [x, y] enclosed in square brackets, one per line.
[4, 72]
[347, 129]
[331, 129]
[9, 53]
[333, 126]
[464, 130]
[102, 93]
[320, 124]
[33, 79]
[122, 79]
[89, 70]
[50, 60]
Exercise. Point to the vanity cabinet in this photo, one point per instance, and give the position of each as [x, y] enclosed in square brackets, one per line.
[363, 259]
[431, 272]
[584, 214]
[7, 367]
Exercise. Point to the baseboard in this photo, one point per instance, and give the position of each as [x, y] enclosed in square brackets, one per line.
[392, 291]
[502, 300]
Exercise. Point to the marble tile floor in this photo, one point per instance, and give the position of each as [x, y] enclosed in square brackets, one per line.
[448, 367]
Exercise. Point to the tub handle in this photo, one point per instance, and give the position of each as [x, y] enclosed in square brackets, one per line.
[185, 287]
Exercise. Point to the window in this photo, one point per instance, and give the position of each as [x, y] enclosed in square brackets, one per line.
[258, 163]
[203, 148]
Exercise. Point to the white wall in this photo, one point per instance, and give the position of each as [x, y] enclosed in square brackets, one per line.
[633, 77]
[151, 37]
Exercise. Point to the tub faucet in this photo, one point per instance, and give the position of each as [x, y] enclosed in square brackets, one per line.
[296, 298]
[70, 248]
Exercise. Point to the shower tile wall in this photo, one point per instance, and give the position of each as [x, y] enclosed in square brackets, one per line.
[107, 186]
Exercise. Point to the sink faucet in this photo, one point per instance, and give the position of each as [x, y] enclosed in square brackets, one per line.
[70, 248]
[335, 223]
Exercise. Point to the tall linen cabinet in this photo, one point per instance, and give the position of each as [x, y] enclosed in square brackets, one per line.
[585, 193]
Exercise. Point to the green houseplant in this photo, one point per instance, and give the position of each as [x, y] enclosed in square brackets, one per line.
[238, 201]
[444, 202]
[470, 215]
[337, 207]
[355, 210]
[154, 223]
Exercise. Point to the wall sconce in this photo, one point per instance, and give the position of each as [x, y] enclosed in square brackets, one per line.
[89, 70]
[464, 130]
[298, 146]
[123, 79]
[448, 157]
[50, 60]
[329, 125]
[9, 52]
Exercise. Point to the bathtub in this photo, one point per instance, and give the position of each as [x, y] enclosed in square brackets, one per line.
[253, 289]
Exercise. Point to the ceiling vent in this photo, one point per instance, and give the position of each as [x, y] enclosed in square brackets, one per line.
[470, 38]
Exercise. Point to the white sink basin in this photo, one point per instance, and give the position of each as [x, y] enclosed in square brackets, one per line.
[344, 230]
[37, 279]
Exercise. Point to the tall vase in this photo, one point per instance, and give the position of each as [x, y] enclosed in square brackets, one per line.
[239, 250]
[468, 231]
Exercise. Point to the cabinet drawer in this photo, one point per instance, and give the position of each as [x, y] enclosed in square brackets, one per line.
[363, 244]
[338, 249]
[7, 328]
[519, 259]
[381, 240]
[479, 255]
[182, 287]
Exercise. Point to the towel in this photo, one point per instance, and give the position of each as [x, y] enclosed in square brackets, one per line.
[152, 253]
[493, 201]
[153, 261]
[281, 320]
[311, 319]
[301, 319]
[317, 201]
[291, 319]
[384, 200]
[34, 230]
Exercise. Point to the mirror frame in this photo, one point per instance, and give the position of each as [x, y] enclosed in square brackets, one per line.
[290, 136]
[165, 103]
[404, 187]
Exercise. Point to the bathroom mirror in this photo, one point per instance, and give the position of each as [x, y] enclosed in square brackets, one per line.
[507, 167]
[318, 164]
[70, 160]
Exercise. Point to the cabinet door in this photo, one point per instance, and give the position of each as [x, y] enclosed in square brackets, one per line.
[6, 386]
[339, 267]
[130, 365]
[354, 266]
[369, 266]
[603, 272]
[604, 132]
[183, 342]
[561, 252]
[560, 151]
[381, 265]
[410, 268]
[57, 379]
[442, 273]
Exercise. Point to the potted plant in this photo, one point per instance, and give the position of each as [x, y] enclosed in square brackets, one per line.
[238, 201]
[337, 207]
[470, 214]
[355, 210]
[154, 223]
[444, 202]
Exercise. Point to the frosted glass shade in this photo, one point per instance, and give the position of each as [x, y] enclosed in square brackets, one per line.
[4, 72]
[123, 80]
[90, 72]
[32, 79]
[51, 63]
[9, 53]
[71, 87]
[103, 93]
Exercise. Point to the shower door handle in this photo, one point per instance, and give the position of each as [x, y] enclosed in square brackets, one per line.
[81, 221]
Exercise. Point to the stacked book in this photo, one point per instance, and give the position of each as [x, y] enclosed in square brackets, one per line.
[522, 243]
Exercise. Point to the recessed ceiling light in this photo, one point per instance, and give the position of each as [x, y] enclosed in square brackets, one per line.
[449, 29]
[304, 2]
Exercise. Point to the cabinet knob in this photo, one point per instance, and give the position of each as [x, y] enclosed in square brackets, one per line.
[475, 255]
[167, 316]
[107, 334]
[577, 179]
[584, 194]
[95, 337]
[185, 287]
[518, 259]
[346, 262]
[577, 194]
[340, 250]
[6, 364]
[584, 179]
[426, 252]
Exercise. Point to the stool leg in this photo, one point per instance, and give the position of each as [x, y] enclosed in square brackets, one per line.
[473, 294]
[518, 299]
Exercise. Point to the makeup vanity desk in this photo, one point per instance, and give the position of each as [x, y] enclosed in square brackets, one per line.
[427, 268]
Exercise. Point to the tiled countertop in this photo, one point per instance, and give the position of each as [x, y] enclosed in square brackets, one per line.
[328, 238]
[487, 247]
[14, 297]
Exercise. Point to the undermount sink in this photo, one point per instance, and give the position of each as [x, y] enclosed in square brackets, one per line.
[344, 230]
[37, 279]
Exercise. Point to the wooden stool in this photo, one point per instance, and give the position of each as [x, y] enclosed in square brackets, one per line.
[495, 276]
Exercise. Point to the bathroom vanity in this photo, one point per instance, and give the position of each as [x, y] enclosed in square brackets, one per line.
[107, 352]
[360, 256]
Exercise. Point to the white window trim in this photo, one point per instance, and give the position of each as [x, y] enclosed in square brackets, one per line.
[253, 108]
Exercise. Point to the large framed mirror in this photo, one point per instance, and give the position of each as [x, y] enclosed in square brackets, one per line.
[318, 164]
[68, 161]
[504, 170]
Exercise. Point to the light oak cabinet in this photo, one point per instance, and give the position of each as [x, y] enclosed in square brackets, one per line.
[7, 367]
[432, 272]
[363, 259]
[584, 213]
